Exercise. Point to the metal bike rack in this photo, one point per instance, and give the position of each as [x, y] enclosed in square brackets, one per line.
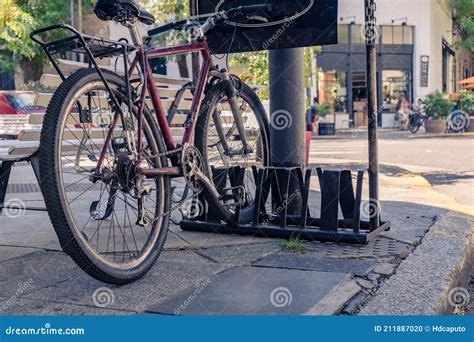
[336, 185]
[337, 191]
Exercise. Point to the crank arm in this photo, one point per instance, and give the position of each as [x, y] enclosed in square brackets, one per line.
[208, 184]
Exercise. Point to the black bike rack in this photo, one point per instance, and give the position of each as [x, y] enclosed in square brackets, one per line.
[336, 191]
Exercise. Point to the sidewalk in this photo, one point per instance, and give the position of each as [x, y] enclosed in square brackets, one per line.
[209, 274]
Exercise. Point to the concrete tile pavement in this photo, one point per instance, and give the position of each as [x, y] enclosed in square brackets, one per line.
[36, 277]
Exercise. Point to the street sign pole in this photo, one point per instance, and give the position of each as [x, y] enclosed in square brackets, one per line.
[287, 114]
[193, 11]
[371, 41]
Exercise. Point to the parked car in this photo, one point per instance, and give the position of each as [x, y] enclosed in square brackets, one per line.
[19, 102]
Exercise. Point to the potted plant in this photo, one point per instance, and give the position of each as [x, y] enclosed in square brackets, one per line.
[325, 128]
[466, 104]
[437, 107]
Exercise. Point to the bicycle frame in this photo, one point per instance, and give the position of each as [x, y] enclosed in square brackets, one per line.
[80, 41]
[142, 59]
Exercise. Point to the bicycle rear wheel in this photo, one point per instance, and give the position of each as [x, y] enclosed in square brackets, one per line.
[110, 228]
[211, 146]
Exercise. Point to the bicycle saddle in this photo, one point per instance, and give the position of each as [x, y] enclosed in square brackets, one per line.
[121, 11]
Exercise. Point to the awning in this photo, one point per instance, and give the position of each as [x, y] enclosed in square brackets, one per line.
[469, 80]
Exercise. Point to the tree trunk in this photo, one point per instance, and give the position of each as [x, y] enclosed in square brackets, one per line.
[183, 66]
[32, 69]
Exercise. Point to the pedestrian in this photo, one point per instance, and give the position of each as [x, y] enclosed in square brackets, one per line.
[402, 113]
[312, 114]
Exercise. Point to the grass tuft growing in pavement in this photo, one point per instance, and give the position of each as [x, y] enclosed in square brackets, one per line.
[294, 244]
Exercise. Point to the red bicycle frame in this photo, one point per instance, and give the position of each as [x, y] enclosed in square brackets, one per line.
[142, 58]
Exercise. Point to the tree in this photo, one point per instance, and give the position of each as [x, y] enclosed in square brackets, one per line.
[20, 17]
[16, 23]
[170, 10]
[255, 65]
[464, 16]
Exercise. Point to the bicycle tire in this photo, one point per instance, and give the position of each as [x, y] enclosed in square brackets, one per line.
[69, 239]
[213, 95]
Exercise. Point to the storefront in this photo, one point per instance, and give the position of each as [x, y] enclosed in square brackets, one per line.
[342, 76]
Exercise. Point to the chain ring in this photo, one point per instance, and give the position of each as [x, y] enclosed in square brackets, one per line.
[192, 162]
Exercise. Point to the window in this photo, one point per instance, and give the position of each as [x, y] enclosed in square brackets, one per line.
[22, 100]
[397, 35]
[332, 89]
[356, 35]
[408, 35]
[343, 34]
[387, 35]
[394, 85]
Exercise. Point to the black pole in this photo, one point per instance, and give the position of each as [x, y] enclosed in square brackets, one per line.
[287, 114]
[371, 43]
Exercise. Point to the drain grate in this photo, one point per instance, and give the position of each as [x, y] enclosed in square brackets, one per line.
[377, 247]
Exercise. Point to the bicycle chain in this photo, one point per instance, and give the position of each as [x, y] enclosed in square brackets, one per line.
[167, 153]
[181, 204]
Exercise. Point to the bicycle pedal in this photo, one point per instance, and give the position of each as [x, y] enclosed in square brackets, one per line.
[235, 194]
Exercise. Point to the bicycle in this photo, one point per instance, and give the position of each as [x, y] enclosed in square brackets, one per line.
[107, 183]
[416, 121]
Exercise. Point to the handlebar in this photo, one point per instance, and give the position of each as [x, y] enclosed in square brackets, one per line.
[211, 20]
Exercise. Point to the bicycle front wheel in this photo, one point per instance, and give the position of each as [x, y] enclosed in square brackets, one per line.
[113, 230]
[217, 138]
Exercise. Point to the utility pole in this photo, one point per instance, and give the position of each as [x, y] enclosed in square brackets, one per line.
[371, 42]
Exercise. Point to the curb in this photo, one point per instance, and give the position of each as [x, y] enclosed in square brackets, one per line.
[441, 135]
[423, 282]
[334, 301]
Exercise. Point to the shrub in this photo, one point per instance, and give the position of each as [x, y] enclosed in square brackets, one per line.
[466, 102]
[324, 109]
[437, 107]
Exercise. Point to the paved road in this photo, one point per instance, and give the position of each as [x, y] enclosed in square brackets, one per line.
[447, 163]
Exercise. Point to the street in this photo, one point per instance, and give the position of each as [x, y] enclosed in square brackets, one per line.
[446, 163]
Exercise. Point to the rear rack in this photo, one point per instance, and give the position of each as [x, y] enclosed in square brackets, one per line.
[94, 47]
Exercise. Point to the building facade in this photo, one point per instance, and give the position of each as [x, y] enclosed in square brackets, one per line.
[416, 55]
